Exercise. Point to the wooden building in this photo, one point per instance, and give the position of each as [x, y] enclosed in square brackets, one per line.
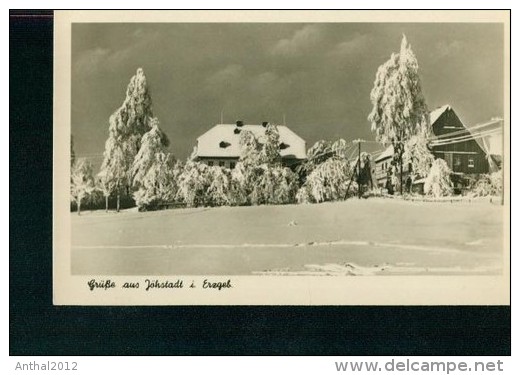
[464, 151]
[454, 143]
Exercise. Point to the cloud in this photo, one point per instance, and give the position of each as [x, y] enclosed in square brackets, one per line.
[264, 81]
[91, 59]
[352, 46]
[99, 59]
[444, 48]
[301, 40]
[228, 76]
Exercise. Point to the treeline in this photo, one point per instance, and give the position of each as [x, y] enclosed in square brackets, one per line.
[137, 165]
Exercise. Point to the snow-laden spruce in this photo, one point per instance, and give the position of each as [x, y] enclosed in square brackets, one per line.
[399, 109]
[154, 172]
[127, 125]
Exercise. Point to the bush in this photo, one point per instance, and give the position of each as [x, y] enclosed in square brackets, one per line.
[438, 182]
[159, 184]
[327, 182]
[487, 185]
[263, 184]
[194, 184]
[219, 190]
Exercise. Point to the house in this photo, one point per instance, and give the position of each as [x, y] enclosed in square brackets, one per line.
[467, 151]
[462, 148]
[220, 145]
[383, 165]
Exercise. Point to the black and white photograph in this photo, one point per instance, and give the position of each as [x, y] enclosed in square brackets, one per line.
[291, 152]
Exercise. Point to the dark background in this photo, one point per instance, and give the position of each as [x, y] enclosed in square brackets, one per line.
[39, 328]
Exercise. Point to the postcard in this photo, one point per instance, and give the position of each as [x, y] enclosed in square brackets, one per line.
[281, 158]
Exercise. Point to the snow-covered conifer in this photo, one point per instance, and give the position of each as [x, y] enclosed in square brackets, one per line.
[127, 125]
[82, 182]
[152, 144]
[399, 109]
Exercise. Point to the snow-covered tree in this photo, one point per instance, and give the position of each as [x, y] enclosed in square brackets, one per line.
[339, 148]
[194, 184]
[218, 193]
[82, 182]
[132, 119]
[153, 169]
[152, 144]
[399, 109]
[438, 182]
[417, 153]
[245, 174]
[320, 152]
[285, 185]
[158, 184]
[270, 153]
[114, 169]
[106, 184]
[127, 125]
[487, 185]
[317, 154]
[250, 148]
[327, 182]
[240, 186]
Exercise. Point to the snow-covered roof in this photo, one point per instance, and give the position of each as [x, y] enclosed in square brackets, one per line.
[210, 143]
[389, 152]
[436, 113]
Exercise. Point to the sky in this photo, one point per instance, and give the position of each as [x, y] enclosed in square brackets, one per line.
[319, 76]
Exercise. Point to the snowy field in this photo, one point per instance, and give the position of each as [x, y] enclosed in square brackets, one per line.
[356, 237]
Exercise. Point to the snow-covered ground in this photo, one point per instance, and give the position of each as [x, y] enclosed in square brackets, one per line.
[356, 237]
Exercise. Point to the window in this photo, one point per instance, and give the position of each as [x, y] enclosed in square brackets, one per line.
[232, 165]
[457, 161]
[471, 163]
[222, 164]
[210, 163]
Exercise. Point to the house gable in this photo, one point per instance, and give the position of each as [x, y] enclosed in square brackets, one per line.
[222, 141]
[461, 156]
